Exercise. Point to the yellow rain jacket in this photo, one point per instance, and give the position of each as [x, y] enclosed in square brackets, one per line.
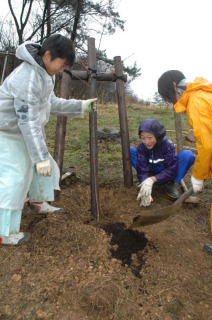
[196, 101]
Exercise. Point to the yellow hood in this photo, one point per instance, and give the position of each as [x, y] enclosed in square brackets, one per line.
[197, 84]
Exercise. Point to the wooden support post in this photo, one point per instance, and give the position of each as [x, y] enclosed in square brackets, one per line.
[179, 140]
[93, 132]
[59, 146]
[100, 76]
[178, 130]
[91, 75]
[127, 167]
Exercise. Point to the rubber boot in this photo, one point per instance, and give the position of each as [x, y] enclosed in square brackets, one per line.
[15, 238]
[45, 208]
[171, 190]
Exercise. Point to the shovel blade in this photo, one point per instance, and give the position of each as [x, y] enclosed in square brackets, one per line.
[158, 215]
[154, 216]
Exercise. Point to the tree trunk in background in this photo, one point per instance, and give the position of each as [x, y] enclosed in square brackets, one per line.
[46, 13]
[49, 20]
[76, 20]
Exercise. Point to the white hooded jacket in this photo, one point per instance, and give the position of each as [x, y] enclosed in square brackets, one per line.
[27, 99]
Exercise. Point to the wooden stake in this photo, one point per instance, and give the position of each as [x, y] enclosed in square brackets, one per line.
[59, 146]
[126, 158]
[93, 132]
[178, 130]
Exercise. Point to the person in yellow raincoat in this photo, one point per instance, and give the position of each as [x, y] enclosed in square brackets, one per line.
[195, 99]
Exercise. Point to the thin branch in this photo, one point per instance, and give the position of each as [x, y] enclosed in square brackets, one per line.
[55, 30]
[28, 14]
[43, 22]
[22, 11]
[14, 17]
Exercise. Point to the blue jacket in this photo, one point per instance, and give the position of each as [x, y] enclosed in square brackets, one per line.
[162, 155]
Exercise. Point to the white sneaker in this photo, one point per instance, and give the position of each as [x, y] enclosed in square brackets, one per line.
[44, 208]
[15, 238]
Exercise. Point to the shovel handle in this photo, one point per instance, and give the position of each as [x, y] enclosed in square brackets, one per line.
[184, 196]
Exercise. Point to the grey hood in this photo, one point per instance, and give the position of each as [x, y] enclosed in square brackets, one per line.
[29, 52]
[182, 85]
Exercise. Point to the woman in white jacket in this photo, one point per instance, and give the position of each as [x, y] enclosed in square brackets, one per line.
[26, 101]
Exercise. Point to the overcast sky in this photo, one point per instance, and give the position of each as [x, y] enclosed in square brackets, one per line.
[162, 35]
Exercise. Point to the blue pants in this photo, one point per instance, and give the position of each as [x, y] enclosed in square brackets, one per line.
[185, 160]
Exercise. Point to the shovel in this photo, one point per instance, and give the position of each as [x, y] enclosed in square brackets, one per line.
[158, 215]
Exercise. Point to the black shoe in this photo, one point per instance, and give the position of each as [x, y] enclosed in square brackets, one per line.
[171, 190]
[208, 248]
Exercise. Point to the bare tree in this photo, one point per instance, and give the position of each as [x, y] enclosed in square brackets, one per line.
[78, 18]
[26, 6]
[75, 17]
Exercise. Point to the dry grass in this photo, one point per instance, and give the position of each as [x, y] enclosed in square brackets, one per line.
[105, 295]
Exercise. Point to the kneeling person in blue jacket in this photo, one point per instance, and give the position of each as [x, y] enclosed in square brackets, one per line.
[156, 161]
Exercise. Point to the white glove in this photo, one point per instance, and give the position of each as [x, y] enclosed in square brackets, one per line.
[146, 201]
[146, 187]
[44, 168]
[197, 184]
[88, 104]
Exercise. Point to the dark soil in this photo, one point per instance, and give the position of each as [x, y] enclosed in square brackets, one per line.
[74, 268]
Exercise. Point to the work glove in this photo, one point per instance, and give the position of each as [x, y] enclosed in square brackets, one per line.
[145, 201]
[144, 194]
[197, 184]
[44, 168]
[88, 104]
[146, 187]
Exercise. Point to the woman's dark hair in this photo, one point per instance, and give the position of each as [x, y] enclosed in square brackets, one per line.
[165, 84]
[60, 47]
